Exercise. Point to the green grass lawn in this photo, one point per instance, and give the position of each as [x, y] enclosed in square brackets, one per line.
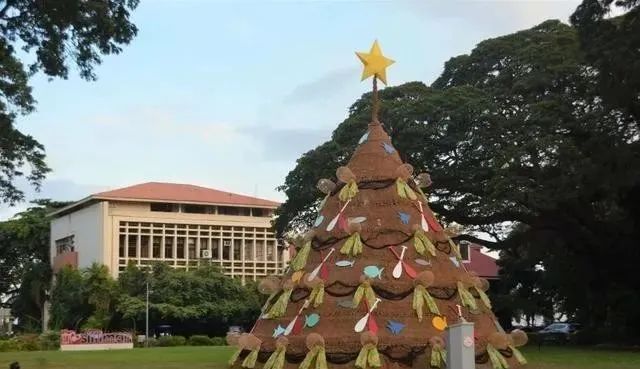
[216, 357]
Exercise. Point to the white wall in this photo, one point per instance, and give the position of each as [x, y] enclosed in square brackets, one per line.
[87, 227]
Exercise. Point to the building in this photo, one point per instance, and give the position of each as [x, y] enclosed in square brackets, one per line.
[179, 224]
[475, 260]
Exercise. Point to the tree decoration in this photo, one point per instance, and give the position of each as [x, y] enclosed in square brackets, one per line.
[438, 358]
[276, 360]
[251, 343]
[466, 298]
[364, 290]
[481, 285]
[326, 186]
[422, 243]
[404, 172]
[517, 338]
[368, 357]
[497, 341]
[268, 286]
[455, 249]
[280, 306]
[353, 245]
[316, 357]
[350, 189]
[421, 296]
[361, 231]
[300, 260]
[317, 291]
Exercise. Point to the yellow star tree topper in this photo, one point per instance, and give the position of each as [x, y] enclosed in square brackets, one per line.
[375, 64]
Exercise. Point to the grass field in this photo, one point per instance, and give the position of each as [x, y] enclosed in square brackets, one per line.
[216, 357]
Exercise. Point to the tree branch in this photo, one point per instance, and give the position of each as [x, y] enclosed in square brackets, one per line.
[504, 216]
[5, 9]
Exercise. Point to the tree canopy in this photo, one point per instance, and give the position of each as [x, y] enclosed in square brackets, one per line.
[58, 35]
[196, 301]
[515, 133]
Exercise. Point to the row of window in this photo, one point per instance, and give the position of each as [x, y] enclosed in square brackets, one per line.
[167, 207]
[180, 247]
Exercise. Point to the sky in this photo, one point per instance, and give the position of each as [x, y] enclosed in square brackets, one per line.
[228, 94]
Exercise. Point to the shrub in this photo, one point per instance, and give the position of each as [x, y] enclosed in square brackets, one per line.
[200, 341]
[9, 345]
[28, 342]
[166, 341]
[218, 341]
[50, 340]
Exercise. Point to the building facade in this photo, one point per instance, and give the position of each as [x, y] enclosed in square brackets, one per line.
[182, 225]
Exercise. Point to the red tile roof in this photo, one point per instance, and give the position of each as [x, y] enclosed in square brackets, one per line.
[482, 264]
[173, 192]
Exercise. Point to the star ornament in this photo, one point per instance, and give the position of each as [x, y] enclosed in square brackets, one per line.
[375, 64]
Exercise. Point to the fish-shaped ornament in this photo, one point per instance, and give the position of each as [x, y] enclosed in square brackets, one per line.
[345, 263]
[373, 271]
[455, 261]
[364, 137]
[319, 220]
[346, 303]
[423, 262]
[394, 327]
[311, 320]
[355, 220]
[278, 331]
[404, 217]
[388, 148]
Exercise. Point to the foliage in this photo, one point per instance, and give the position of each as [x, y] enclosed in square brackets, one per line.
[50, 340]
[516, 133]
[167, 341]
[54, 34]
[199, 340]
[25, 273]
[612, 47]
[195, 301]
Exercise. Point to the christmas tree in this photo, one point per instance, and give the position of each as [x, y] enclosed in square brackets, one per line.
[377, 279]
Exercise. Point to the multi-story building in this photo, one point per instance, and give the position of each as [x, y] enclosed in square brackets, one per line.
[181, 225]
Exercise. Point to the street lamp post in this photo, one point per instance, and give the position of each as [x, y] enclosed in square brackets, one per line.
[146, 339]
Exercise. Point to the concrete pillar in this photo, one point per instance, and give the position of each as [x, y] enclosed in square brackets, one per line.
[461, 346]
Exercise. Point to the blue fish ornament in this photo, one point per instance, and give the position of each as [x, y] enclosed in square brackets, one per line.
[404, 217]
[311, 320]
[394, 327]
[364, 137]
[319, 220]
[345, 263]
[455, 261]
[278, 331]
[388, 148]
[373, 271]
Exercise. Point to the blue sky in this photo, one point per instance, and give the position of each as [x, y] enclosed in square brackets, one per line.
[228, 94]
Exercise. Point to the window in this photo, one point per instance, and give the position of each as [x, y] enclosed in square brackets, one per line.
[180, 248]
[132, 244]
[464, 250]
[164, 207]
[168, 247]
[237, 250]
[228, 210]
[197, 209]
[144, 246]
[271, 252]
[191, 245]
[157, 244]
[65, 244]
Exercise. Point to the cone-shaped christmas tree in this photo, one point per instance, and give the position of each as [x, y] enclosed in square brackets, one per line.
[377, 279]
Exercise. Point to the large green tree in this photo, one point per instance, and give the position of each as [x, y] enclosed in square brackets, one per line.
[56, 35]
[516, 133]
[612, 47]
[25, 271]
